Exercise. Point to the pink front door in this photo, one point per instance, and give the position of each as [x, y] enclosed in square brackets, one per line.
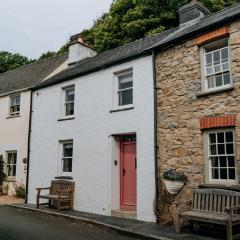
[128, 176]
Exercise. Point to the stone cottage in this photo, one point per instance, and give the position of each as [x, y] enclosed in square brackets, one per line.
[198, 96]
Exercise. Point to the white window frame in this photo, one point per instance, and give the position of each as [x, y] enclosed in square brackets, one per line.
[117, 91]
[14, 113]
[204, 65]
[208, 167]
[62, 143]
[14, 165]
[64, 103]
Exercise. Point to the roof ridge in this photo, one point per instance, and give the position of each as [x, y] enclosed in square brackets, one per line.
[29, 64]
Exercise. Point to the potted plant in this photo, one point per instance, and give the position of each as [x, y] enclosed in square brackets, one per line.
[174, 181]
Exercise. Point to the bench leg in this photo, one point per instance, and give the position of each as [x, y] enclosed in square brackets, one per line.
[177, 222]
[229, 227]
[37, 202]
[71, 204]
[58, 204]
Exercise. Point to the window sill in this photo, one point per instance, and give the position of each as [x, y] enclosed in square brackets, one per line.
[64, 177]
[66, 119]
[215, 91]
[10, 179]
[13, 116]
[121, 109]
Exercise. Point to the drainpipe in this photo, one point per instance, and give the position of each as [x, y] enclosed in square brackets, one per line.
[28, 153]
[155, 138]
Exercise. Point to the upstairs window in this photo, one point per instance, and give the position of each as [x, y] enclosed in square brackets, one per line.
[69, 101]
[15, 105]
[125, 89]
[221, 156]
[217, 66]
[11, 164]
[67, 156]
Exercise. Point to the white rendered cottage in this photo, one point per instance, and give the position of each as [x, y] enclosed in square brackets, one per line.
[95, 122]
[15, 101]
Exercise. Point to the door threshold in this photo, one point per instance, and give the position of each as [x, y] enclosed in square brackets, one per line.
[129, 214]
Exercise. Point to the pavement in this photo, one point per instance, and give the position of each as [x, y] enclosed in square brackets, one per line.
[6, 199]
[119, 227]
[19, 224]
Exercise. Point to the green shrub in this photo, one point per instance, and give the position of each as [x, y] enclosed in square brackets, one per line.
[2, 173]
[20, 191]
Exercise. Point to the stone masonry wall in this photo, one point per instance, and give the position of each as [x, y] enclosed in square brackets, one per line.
[180, 109]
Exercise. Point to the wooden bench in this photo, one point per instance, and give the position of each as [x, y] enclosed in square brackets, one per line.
[60, 191]
[213, 206]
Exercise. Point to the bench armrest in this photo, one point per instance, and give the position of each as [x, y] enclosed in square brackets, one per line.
[231, 209]
[40, 189]
[47, 188]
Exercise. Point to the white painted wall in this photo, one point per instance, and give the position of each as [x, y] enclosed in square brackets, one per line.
[91, 130]
[14, 134]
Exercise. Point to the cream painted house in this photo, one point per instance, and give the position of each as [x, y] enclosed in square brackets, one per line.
[15, 104]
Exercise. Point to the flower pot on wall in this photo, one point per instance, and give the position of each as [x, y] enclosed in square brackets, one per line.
[173, 187]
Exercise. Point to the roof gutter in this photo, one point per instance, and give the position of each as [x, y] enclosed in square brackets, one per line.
[28, 153]
[15, 91]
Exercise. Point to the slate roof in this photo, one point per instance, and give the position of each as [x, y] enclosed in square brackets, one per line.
[218, 19]
[105, 59]
[29, 75]
[144, 46]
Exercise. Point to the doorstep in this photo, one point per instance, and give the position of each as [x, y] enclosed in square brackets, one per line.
[124, 214]
[130, 227]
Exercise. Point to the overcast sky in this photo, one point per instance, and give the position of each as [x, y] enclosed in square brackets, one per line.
[31, 27]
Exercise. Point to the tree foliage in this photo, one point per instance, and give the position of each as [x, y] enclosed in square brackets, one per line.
[9, 61]
[126, 21]
[129, 20]
[47, 55]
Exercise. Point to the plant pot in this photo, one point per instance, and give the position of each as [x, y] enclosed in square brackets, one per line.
[173, 187]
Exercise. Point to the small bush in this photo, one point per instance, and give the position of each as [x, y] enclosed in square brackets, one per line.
[2, 173]
[20, 191]
[173, 175]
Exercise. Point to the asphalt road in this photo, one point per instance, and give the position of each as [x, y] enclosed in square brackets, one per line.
[17, 224]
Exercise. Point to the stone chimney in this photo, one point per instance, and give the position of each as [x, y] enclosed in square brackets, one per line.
[191, 13]
[79, 50]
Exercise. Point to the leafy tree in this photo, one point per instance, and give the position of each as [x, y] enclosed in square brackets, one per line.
[47, 55]
[2, 173]
[9, 61]
[63, 49]
[126, 21]
[129, 20]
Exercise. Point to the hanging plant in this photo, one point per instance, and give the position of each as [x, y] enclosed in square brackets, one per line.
[174, 181]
